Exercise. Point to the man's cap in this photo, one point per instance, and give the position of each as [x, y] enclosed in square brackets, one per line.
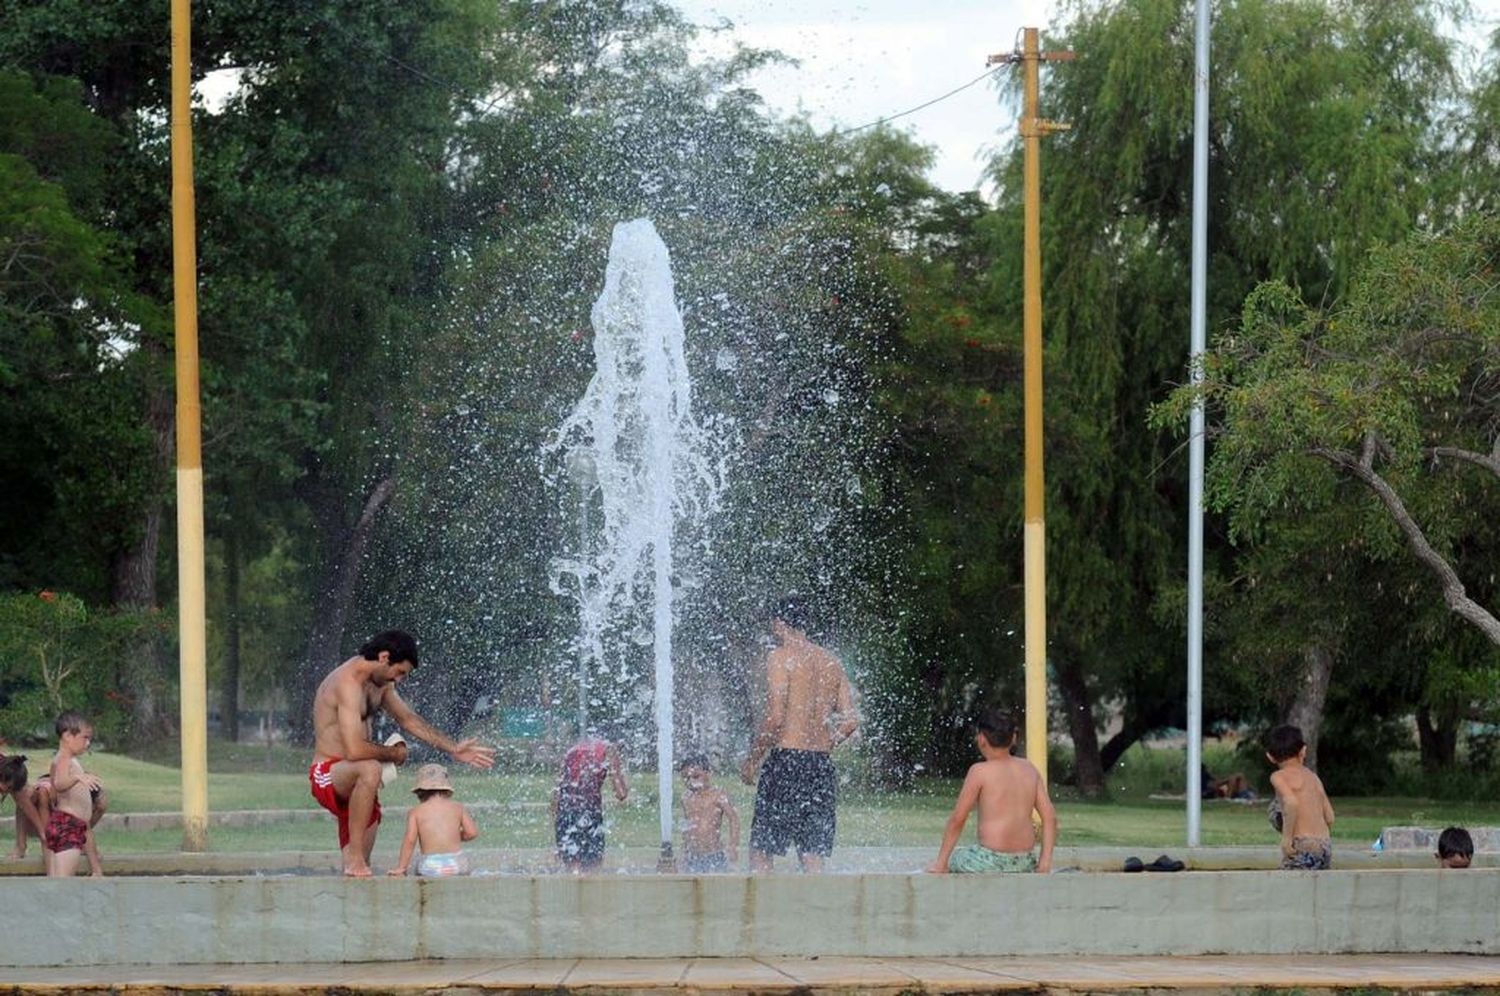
[433, 778]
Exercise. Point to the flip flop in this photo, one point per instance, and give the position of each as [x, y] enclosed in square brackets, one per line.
[1133, 864]
[1165, 864]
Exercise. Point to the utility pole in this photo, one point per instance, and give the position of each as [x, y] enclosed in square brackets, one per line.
[1033, 127]
[191, 612]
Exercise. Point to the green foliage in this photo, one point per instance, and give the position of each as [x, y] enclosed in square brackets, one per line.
[57, 655]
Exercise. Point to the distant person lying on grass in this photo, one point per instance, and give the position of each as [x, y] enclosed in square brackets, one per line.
[1005, 789]
[1235, 786]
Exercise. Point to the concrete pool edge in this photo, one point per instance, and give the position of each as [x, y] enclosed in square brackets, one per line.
[161, 921]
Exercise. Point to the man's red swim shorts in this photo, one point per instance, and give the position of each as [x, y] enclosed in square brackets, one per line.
[320, 776]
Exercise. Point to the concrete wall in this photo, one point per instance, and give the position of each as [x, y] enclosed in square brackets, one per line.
[330, 919]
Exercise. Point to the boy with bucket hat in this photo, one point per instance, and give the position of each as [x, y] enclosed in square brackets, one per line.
[438, 825]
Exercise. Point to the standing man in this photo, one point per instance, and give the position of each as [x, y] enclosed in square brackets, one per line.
[809, 711]
[345, 773]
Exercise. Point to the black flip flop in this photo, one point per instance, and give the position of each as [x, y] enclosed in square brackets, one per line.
[1165, 864]
[1133, 864]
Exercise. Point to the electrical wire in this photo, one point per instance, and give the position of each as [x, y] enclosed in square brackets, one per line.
[921, 107]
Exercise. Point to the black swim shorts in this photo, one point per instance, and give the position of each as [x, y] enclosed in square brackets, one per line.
[794, 803]
[580, 831]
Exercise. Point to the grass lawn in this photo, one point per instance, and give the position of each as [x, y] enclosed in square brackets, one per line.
[512, 807]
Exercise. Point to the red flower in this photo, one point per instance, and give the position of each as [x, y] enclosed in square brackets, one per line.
[47, 596]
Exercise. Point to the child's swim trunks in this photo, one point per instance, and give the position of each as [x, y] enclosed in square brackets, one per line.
[1310, 854]
[320, 777]
[702, 864]
[443, 865]
[973, 858]
[65, 832]
[794, 803]
[579, 829]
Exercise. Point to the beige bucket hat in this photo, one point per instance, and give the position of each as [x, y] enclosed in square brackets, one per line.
[432, 777]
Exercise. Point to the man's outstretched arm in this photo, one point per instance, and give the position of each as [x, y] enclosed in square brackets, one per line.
[469, 751]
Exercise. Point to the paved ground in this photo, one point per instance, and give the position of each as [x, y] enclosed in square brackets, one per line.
[793, 977]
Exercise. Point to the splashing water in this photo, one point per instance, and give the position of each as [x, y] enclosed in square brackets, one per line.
[648, 477]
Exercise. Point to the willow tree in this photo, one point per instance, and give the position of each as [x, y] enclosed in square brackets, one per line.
[1319, 146]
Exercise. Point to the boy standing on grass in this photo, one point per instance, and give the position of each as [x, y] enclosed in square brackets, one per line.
[1005, 789]
[67, 833]
[437, 824]
[705, 808]
[1306, 814]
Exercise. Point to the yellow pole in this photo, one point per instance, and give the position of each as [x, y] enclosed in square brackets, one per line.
[191, 624]
[1035, 524]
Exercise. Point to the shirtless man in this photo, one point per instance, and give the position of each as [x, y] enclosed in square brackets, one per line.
[809, 711]
[1306, 815]
[345, 773]
[1005, 790]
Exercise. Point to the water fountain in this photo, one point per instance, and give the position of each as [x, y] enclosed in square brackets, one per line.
[647, 475]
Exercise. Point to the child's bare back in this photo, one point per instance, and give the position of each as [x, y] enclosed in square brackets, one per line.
[1306, 814]
[437, 825]
[1006, 790]
[1007, 794]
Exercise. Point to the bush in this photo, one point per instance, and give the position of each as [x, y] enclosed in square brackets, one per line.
[57, 654]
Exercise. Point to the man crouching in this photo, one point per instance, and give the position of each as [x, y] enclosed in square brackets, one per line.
[345, 773]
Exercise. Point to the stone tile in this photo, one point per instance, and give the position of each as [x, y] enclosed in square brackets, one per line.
[656, 973]
[530, 973]
[837, 972]
[940, 974]
[734, 973]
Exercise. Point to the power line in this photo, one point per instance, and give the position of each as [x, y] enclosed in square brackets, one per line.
[920, 107]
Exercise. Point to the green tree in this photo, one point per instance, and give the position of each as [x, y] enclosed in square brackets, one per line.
[1313, 156]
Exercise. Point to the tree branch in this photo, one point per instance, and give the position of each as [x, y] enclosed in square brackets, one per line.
[1453, 589]
[1490, 462]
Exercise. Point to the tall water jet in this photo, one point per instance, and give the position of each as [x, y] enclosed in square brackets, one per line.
[647, 478]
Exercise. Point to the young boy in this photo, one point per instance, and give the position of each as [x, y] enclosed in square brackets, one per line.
[437, 824]
[28, 820]
[67, 833]
[1306, 815]
[1455, 848]
[705, 809]
[578, 801]
[1006, 789]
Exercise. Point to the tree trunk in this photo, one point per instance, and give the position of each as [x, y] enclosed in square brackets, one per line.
[1136, 725]
[1088, 768]
[1439, 740]
[229, 695]
[133, 585]
[335, 597]
[1306, 708]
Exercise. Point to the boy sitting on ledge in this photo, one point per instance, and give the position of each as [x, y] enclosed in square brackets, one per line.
[1005, 789]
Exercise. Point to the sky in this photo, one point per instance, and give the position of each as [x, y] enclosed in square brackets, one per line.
[862, 60]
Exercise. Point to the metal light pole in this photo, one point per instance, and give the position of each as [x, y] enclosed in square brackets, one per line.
[1195, 441]
[1032, 128]
[191, 612]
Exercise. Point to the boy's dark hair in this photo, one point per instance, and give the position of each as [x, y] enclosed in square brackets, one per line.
[1455, 841]
[424, 794]
[694, 760]
[792, 610]
[997, 725]
[13, 773]
[1284, 742]
[71, 722]
[401, 645]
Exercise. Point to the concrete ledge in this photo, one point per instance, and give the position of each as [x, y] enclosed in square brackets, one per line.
[120, 921]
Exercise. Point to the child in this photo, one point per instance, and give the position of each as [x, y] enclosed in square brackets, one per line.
[1455, 848]
[67, 833]
[438, 825]
[1005, 789]
[1306, 816]
[578, 801]
[704, 810]
[13, 784]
